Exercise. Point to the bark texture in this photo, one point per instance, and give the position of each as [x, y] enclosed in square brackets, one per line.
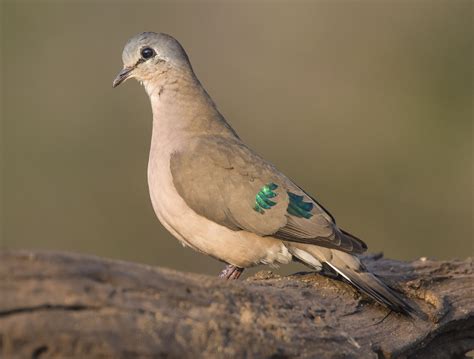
[63, 305]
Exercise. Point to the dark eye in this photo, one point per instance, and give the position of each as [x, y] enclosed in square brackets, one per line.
[147, 53]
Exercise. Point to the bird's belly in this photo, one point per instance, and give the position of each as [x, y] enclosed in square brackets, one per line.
[240, 248]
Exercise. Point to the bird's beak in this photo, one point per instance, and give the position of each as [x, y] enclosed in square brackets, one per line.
[122, 76]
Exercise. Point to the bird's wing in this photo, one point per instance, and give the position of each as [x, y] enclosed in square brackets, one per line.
[224, 181]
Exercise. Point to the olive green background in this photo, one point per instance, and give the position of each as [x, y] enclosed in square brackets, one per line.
[367, 105]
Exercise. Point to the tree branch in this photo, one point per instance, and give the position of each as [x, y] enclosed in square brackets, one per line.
[61, 305]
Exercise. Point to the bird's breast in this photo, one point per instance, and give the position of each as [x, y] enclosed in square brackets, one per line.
[166, 202]
[240, 248]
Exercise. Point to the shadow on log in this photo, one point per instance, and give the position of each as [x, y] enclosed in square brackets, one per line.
[62, 305]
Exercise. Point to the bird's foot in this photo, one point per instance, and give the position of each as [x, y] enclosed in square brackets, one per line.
[231, 272]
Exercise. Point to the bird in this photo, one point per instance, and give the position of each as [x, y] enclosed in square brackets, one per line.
[218, 196]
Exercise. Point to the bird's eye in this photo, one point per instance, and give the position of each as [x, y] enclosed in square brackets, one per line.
[147, 53]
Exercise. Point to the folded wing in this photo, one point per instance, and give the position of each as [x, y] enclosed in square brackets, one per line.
[226, 182]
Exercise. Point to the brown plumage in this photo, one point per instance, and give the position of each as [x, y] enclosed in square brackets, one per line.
[206, 185]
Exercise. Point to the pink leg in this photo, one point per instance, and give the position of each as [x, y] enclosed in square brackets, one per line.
[231, 272]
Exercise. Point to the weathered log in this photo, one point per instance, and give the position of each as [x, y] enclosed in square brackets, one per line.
[62, 305]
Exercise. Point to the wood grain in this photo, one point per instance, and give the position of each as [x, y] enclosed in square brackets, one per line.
[64, 305]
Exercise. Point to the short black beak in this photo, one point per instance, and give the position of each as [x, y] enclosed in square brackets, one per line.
[122, 76]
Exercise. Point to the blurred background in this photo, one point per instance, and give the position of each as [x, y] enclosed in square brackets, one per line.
[367, 105]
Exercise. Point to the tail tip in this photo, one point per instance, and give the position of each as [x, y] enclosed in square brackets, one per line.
[409, 310]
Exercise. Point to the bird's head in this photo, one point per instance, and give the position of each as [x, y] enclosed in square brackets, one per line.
[149, 55]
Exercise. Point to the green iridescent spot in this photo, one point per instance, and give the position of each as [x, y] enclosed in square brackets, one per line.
[262, 199]
[298, 208]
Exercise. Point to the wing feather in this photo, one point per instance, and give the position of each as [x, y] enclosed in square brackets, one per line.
[220, 179]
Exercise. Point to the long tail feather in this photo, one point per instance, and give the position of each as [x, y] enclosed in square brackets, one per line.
[349, 267]
[369, 284]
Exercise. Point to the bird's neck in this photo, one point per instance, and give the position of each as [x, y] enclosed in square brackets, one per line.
[182, 108]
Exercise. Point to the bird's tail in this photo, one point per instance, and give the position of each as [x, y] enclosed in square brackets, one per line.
[352, 270]
[369, 284]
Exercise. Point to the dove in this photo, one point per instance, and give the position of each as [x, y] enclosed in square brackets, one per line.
[218, 196]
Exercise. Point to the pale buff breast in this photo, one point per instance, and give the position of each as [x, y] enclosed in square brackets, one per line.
[239, 248]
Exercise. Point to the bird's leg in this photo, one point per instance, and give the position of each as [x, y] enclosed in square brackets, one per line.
[231, 272]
